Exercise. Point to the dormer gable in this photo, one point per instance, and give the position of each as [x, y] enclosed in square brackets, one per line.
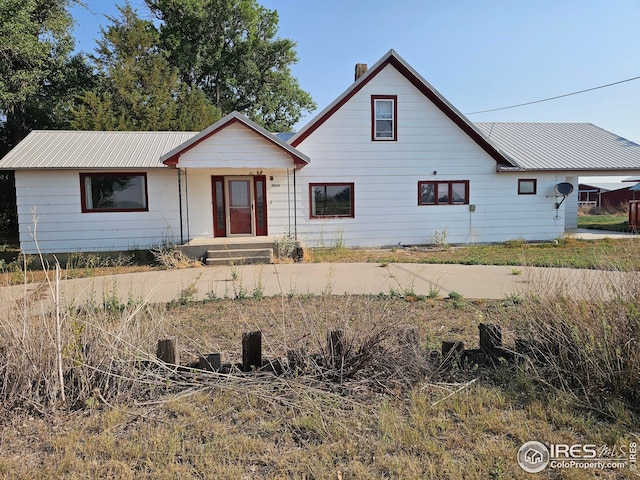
[250, 128]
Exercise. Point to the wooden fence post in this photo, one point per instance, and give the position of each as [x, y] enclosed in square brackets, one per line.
[448, 347]
[168, 351]
[335, 347]
[251, 351]
[490, 338]
[210, 362]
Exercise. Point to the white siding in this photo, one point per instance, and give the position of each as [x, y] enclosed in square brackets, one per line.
[236, 146]
[49, 207]
[386, 176]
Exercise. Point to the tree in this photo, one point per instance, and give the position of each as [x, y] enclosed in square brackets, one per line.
[38, 78]
[137, 88]
[228, 48]
[38, 73]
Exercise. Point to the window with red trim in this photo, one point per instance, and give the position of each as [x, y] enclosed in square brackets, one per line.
[329, 200]
[113, 192]
[455, 192]
[384, 113]
[527, 186]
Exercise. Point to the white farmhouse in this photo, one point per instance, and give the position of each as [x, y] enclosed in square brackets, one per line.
[389, 162]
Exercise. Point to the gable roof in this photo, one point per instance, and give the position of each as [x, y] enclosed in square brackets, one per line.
[392, 58]
[45, 149]
[173, 157]
[563, 146]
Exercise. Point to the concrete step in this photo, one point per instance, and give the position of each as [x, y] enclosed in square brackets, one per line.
[239, 255]
[241, 252]
[240, 246]
[238, 260]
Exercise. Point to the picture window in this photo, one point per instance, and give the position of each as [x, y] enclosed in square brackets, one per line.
[113, 192]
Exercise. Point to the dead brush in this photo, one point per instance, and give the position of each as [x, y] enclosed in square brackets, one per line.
[381, 355]
[81, 357]
[103, 355]
[169, 256]
[588, 347]
[604, 209]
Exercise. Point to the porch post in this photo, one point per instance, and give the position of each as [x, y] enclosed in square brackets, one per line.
[186, 197]
[289, 202]
[180, 205]
[295, 207]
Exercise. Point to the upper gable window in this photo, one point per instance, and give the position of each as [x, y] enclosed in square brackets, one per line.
[384, 112]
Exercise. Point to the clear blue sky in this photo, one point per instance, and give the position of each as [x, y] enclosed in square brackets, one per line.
[478, 54]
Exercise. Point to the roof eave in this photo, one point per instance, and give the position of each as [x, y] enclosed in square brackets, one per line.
[575, 170]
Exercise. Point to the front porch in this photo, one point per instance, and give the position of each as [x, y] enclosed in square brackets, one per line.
[236, 189]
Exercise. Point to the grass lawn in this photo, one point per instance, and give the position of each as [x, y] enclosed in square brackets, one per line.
[615, 223]
[591, 254]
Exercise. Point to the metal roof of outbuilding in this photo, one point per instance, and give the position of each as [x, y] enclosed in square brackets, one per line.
[43, 149]
[562, 146]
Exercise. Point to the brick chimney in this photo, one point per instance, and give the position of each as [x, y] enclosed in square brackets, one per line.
[361, 69]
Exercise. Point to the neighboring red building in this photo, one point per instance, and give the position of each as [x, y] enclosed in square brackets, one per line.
[607, 194]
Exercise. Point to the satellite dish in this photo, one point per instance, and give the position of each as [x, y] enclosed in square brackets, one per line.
[563, 189]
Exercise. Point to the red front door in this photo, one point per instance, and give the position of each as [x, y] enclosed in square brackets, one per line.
[239, 206]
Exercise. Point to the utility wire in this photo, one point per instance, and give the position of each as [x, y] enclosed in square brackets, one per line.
[554, 98]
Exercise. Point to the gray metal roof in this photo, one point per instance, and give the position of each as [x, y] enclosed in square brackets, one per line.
[284, 136]
[533, 146]
[563, 146]
[84, 149]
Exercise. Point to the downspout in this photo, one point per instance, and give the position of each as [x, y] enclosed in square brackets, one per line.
[180, 206]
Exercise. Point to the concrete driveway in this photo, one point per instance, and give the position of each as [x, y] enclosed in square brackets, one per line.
[477, 281]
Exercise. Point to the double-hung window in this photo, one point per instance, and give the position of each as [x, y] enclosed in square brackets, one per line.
[113, 192]
[454, 192]
[384, 112]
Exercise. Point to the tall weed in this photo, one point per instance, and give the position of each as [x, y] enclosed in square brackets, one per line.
[588, 346]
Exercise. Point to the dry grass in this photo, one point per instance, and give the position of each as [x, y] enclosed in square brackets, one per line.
[589, 347]
[606, 209]
[607, 254]
[380, 409]
[169, 256]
